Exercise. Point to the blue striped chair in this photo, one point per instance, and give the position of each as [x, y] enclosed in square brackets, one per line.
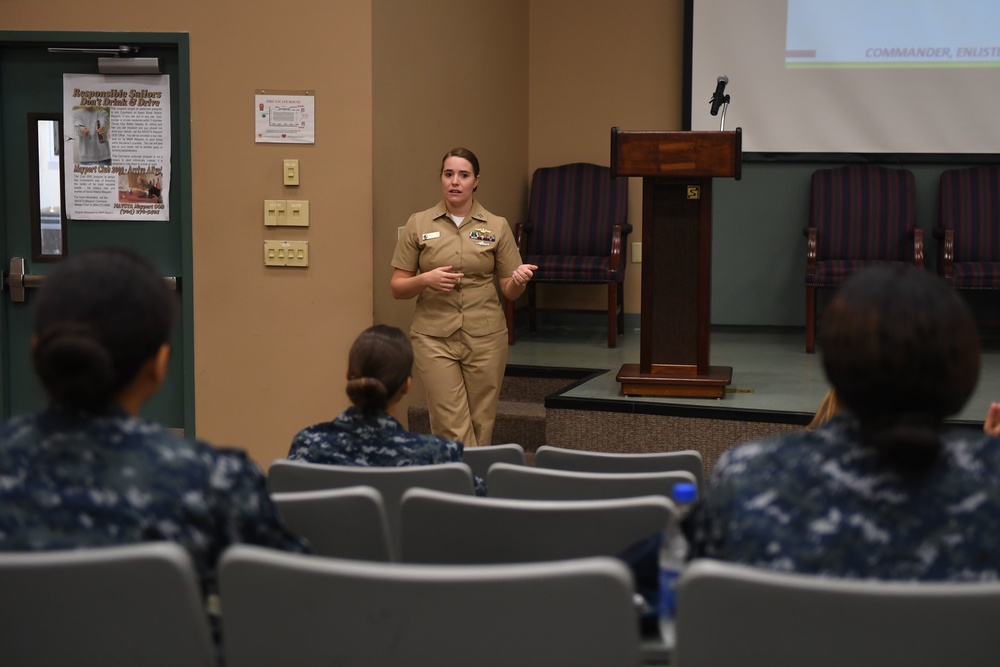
[859, 216]
[968, 231]
[576, 232]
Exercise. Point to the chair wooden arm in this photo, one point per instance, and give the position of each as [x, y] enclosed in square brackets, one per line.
[811, 234]
[520, 229]
[946, 251]
[918, 248]
[616, 248]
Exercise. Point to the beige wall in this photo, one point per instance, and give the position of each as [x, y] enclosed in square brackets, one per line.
[269, 343]
[450, 74]
[523, 83]
[595, 65]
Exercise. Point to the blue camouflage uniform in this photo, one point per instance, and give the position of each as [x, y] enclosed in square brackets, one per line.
[823, 503]
[70, 481]
[357, 439]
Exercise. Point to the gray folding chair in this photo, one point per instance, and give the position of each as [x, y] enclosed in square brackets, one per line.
[737, 615]
[532, 483]
[117, 606]
[283, 608]
[447, 528]
[344, 523]
[564, 458]
[285, 475]
[481, 458]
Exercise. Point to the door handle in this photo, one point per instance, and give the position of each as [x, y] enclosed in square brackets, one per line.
[16, 280]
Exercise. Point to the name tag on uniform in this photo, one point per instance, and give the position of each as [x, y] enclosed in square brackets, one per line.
[429, 236]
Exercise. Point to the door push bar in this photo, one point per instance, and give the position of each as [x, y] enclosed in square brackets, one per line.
[16, 281]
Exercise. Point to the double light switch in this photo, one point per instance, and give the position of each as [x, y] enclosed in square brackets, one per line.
[286, 213]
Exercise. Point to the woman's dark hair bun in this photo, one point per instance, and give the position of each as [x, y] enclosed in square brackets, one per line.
[378, 367]
[100, 316]
[73, 365]
[367, 393]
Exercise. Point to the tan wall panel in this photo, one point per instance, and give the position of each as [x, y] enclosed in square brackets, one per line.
[522, 83]
[594, 65]
[270, 344]
[452, 73]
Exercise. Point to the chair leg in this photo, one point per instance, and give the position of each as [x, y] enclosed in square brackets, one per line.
[532, 319]
[810, 319]
[612, 314]
[621, 308]
[508, 312]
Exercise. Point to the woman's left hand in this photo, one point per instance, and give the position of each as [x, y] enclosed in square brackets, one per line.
[523, 274]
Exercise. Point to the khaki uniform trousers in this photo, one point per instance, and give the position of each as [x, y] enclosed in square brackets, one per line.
[462, 374]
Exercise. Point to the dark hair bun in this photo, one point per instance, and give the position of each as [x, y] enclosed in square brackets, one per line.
[73, 365]
[367, 393]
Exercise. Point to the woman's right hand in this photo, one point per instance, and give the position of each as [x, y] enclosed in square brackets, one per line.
[442, 279]
[407, 284]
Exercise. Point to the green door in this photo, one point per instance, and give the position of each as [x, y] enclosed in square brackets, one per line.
[31, 89]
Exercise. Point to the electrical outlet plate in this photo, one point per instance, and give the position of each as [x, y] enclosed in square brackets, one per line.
[637, 252]
[286, 253]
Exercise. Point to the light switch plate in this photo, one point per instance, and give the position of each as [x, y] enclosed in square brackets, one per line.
[297, 213]
[291, 172]
[286, 253]
[274, 212]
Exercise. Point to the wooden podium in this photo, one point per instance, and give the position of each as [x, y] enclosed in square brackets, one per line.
[677, 169]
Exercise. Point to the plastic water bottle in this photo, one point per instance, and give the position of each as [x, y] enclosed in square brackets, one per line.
[673, 558]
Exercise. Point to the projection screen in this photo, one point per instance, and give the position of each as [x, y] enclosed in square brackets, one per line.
[849, 76]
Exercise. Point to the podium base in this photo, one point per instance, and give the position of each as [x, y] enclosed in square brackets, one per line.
[677, 381]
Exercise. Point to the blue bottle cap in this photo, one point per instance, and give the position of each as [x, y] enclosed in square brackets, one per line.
[685, 492]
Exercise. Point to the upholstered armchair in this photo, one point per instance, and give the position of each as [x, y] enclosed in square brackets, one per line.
[859, 216]
[576, 232]
[968, 231]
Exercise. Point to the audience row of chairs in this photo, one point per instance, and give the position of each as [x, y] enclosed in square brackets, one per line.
[564, 458]
[534, 585]
[301, 491]
[140, 605]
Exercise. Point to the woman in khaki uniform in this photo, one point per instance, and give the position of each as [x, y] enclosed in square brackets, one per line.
[448, 257]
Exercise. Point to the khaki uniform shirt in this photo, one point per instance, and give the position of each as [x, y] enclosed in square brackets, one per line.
[481, 248]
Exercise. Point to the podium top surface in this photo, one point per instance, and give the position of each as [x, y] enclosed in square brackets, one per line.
[676, 154]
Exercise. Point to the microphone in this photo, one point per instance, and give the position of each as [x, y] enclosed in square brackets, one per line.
[718, 97]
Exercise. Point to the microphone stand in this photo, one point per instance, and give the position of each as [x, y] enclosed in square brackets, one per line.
[725, 105]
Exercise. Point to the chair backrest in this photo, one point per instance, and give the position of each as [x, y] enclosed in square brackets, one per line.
[344, 523]
[572, 209]
[736, 615]
[138, 604]
[285, 475]
[531, 483]
[447, 528]
[563, 458]
[481, 458]
[283, 608]
[863, 212]
[970, 205]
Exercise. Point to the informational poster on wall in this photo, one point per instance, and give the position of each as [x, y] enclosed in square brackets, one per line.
[116, 132]
[284, 117]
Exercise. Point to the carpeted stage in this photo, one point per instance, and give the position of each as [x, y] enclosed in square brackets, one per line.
[776, 387]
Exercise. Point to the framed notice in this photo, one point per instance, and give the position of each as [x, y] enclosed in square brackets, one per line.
[284, 117]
